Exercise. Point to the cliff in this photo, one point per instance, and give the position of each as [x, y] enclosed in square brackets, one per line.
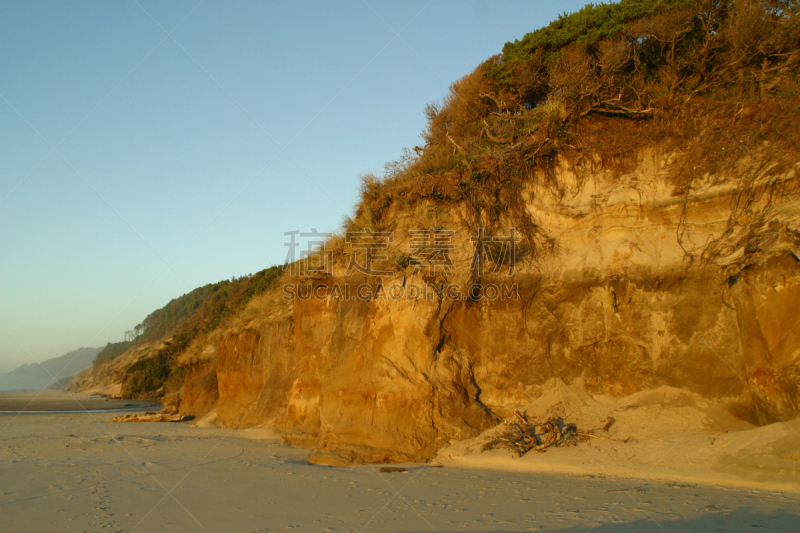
[616, 301]
[613, 205]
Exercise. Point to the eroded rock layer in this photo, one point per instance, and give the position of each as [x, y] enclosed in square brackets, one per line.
[630, 288]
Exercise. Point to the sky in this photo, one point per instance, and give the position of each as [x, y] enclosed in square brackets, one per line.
[149, 148]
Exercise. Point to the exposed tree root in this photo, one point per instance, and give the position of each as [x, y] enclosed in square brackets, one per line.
[524, 435]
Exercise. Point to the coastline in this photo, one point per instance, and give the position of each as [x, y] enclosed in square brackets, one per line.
[54, 402]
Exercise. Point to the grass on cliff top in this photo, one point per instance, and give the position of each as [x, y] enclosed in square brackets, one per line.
[711, 81]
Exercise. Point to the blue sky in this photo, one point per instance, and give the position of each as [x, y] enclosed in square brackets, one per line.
[148, 148]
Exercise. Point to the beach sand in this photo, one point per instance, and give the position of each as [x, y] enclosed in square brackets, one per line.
[59, 401]
[79, 472]
[669, 434]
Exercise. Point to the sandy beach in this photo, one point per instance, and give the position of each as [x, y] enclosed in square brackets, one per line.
[34, 402]
[79, 472]
[400, 266]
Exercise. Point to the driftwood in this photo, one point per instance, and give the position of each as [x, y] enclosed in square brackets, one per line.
[523, 435]
[150, 417]
[107, 396]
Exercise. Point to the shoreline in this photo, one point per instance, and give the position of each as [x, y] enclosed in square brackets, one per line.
[72, 411]
[56, 402]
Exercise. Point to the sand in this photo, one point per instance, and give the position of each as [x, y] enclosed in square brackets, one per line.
[671, 435]
[59, 401]
[79, 472]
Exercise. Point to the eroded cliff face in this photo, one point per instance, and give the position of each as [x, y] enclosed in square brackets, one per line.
[629, 288]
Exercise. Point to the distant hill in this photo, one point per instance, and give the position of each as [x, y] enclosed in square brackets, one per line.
[39, 377]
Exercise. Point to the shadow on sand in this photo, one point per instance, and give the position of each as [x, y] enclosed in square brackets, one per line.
[739, 520]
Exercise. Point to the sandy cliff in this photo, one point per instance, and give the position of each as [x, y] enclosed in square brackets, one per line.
[635, 288]
[612, 202]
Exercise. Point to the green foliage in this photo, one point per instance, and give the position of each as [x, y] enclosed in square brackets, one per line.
[111, 351]
[589, 25]
[147, 375]
[184, 319]
[209, 302]
[259, 283]
[162, 321]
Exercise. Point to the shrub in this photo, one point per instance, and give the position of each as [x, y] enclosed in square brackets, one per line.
[111, 351]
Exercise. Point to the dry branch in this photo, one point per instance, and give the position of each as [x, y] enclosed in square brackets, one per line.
[612, 108]
[455, 144]
[491, 137]
[524, 435]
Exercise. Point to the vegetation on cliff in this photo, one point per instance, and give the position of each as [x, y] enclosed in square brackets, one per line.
[712, 83]
[173, 327]
[707, 80]
[111, 351]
